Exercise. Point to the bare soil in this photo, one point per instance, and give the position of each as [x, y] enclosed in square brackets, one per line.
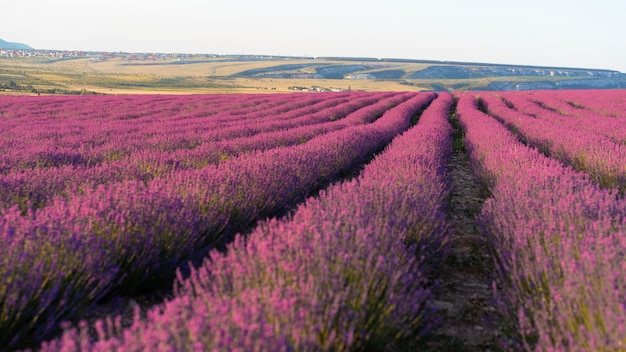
[463, 292]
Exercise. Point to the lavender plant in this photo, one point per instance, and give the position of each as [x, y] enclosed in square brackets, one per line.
[137, 233]
[599, 156]
[558, 240]
[344, 272]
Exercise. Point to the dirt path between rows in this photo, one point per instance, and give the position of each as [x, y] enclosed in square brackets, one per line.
[463, 292]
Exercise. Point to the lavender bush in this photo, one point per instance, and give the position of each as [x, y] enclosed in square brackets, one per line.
[137, 233]
[344, 272]
[558, 239]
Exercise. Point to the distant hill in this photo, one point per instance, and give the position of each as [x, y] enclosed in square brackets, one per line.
[437, 75]
[418, 74]
[9, 45]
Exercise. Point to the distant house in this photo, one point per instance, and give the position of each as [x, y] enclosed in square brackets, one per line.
[358, 76]
[299, 88]
[534, 85]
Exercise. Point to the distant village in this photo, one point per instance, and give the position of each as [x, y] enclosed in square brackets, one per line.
[107, 55]
[96, 55]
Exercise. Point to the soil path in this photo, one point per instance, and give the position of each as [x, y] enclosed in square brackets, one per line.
[463, 292]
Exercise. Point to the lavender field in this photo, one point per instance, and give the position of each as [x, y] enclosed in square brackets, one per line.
[307, 222]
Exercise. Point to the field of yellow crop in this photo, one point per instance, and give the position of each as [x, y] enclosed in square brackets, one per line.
[121, 76]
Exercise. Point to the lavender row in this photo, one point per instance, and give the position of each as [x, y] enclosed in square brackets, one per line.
[121, 148]
[555, 103]
[587, 122]
[31, 142]
[132, 234]
[558, 238]
[138, 106]
[51, 142]
[573, 103]
[113, 141]
[269, 134]
[341, 274]
[75, 112]
[610, 103]
[35, 188]
[597, 155]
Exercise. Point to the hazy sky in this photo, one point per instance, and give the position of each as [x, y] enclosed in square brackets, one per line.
[574, 33]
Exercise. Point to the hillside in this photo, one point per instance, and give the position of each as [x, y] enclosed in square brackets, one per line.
[80, 72]
[17, 46]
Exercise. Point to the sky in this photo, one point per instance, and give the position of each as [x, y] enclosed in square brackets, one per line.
[574, 33]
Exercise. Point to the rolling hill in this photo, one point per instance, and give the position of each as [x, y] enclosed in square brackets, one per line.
[9, 45]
